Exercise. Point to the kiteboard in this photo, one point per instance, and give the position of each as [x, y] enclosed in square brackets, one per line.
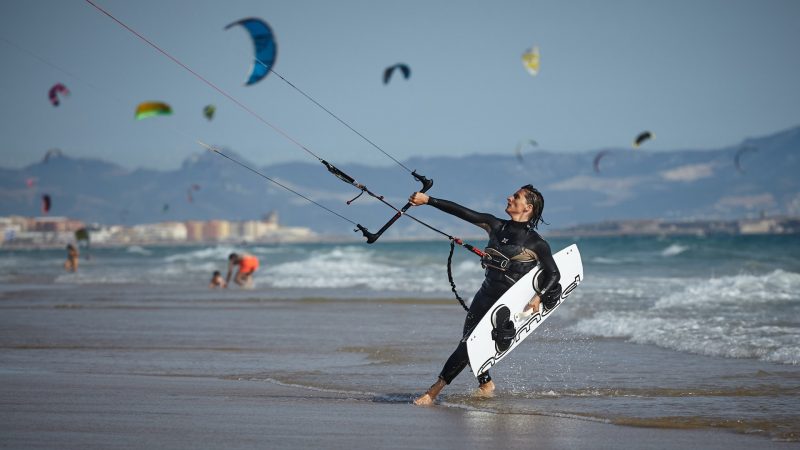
[484, 345]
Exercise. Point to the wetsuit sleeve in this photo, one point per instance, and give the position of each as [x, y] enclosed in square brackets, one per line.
[483, 220]
[551, 275]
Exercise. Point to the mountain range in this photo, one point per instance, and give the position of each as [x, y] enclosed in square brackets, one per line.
[756, 176]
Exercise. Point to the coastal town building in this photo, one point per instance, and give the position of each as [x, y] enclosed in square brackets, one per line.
[159, 232]
[194, 231]
[216, 230]
[55, 224]
[17, 231]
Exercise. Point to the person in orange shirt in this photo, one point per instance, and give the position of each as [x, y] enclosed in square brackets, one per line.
[248, 264]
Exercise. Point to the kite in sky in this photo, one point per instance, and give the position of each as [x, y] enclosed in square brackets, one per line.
[521, 146]
[643, 136]
[387, 73]
[150, 109]
[597, 159]
[530, 60]
[209, 111]
[266, 50]
[53, 152]
[193, 187]
[57, 88]
[46, 203]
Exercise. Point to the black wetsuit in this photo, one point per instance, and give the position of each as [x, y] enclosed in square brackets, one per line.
[524, 247]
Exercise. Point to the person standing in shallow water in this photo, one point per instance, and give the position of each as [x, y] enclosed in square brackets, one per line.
[73, 256]
[248, 264]
[515, 241]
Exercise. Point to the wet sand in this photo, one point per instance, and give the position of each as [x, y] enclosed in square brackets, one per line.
[50, 410]
[80, 370]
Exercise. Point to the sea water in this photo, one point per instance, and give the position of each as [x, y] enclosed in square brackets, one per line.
[736, 297]
[667, 331]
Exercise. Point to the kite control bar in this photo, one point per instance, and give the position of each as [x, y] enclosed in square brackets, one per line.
[372, 237]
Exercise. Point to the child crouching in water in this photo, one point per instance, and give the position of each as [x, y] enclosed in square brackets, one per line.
[217, 280]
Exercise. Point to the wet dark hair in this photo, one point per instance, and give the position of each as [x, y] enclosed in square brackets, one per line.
[536, 199]
[233, 257]
[216, 273]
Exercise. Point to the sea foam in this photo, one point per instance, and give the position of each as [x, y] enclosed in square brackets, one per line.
[674, 250]
[354, 267]
[743, 316]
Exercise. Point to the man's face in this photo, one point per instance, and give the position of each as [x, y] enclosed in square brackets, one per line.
[518, 204]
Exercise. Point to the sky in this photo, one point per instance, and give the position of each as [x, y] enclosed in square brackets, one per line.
[699, 74]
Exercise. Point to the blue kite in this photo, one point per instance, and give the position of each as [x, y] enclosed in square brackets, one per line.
[265, 47]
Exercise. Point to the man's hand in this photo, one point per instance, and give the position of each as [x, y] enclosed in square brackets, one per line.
[418, 198]
[533, 305]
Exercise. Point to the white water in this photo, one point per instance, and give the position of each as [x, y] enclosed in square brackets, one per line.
[732, 298]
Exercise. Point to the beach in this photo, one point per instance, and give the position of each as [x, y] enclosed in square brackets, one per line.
[142, 366]
[154, 149]
[163, 411]
[667, 342]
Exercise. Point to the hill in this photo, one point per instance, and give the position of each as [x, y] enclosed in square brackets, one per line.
[630, 184]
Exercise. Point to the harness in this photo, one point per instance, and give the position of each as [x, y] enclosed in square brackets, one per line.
[499, 266]
[505, 260]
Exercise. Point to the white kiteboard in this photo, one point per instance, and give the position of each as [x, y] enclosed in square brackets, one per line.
[483, 350]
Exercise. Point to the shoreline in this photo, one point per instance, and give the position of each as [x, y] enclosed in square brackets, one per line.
[65, 410]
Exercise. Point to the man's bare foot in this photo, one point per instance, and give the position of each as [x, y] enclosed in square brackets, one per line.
[427, 398]
[486, 389]
[424, 400]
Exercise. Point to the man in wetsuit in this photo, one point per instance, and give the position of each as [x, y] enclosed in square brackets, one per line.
[247, 267]
[515, 241]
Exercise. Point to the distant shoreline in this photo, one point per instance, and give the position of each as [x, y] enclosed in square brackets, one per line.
[788, 225]
[779, 225]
